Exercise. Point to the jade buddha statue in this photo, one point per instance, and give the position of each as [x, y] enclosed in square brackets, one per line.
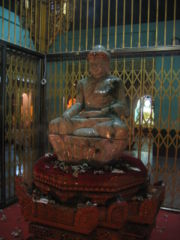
[100, 103]
[93, 128]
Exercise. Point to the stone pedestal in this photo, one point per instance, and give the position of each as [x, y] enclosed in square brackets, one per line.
[112, 202]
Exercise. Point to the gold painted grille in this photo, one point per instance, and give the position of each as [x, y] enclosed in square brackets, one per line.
[68, 25]
[20, 118]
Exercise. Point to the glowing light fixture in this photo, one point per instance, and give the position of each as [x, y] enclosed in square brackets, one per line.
[65, 8]
[26, 4]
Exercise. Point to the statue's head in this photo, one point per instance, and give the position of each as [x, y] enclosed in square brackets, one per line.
[99, 61]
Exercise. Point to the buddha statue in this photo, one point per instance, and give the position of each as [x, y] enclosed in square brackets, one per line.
[100, 104]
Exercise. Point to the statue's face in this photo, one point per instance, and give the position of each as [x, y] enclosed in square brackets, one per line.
[98, 67]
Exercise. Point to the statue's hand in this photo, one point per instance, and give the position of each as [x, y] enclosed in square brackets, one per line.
[67, 116]
[105, 110]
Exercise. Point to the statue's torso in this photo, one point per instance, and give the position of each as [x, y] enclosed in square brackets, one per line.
[99, 94]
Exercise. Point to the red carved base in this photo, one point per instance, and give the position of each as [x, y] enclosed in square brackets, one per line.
[87, 219]
[129, 232]
[122, 206]
[126, 179]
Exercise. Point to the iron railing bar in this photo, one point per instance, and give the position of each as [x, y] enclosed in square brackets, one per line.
[41, 119]
[2, 127]
[15, 47]
[175, 210]
[119, 52]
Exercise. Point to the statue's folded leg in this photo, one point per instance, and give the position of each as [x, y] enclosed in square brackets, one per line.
[86, 132]
[65, 126]
[60, 126]
[79, 126]
[69, 127]
[54, 126]
[115, 129]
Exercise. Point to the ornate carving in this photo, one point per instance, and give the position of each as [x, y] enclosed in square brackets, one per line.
[99, 186]
[85, 219]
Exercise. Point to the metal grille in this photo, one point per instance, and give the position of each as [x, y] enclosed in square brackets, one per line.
[20, 120]
[23, 23]
[76, 25]
[115, 24]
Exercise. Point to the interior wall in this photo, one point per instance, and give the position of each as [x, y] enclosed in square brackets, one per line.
[12, 31]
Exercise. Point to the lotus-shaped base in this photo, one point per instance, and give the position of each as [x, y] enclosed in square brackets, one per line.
[75, 149]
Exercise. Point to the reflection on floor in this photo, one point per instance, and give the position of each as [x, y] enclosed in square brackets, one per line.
[16, 160]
